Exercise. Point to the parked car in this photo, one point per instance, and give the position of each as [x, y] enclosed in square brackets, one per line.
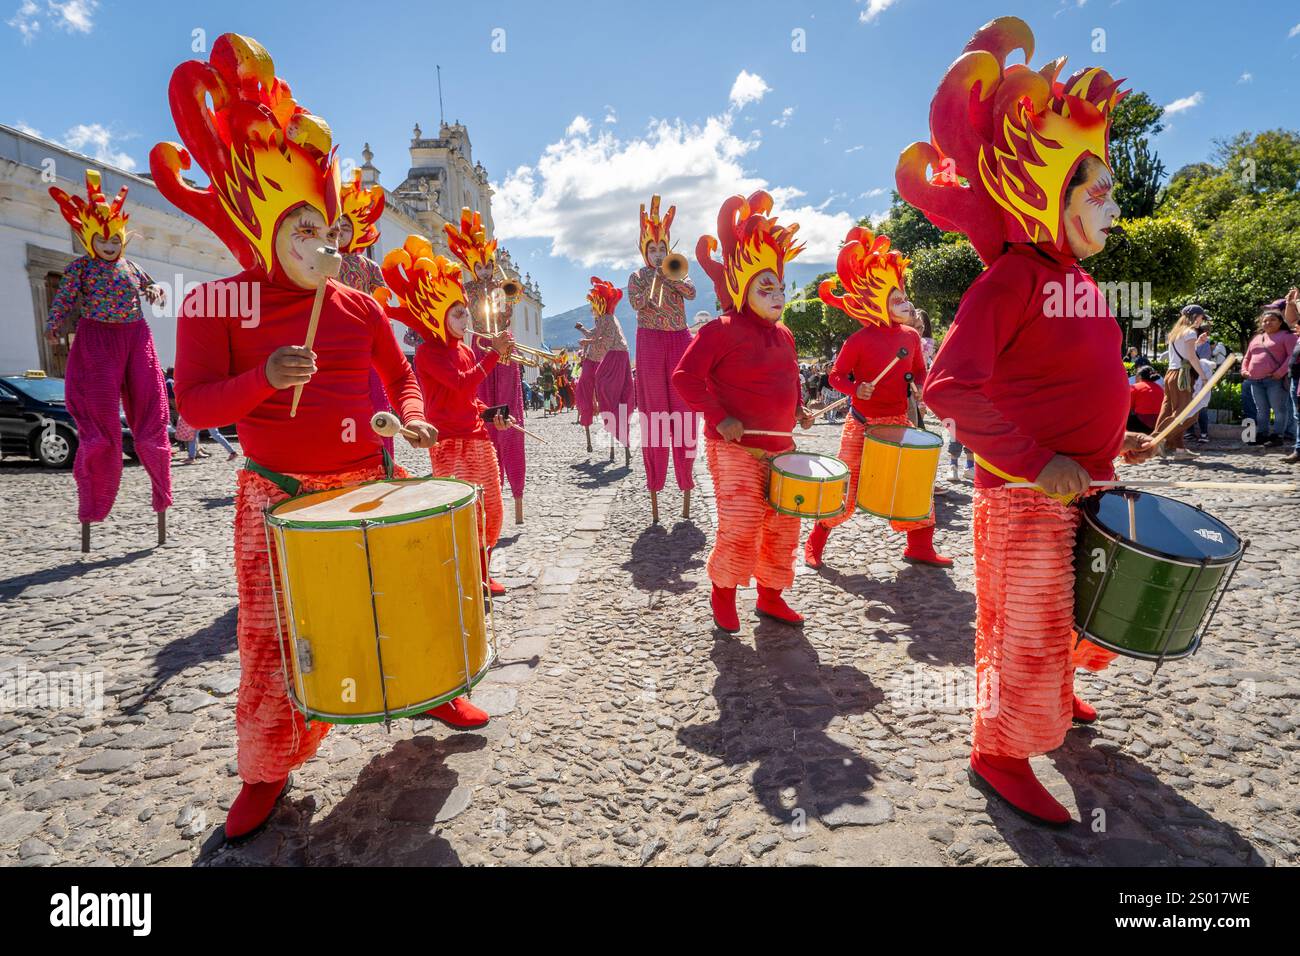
[35, 421]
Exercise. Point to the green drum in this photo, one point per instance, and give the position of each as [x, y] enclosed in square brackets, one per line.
[1153, 593]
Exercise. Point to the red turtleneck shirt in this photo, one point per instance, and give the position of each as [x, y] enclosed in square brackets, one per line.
[1031, 368]
[227, 329]
[745, 367]
[865, 354]
[450, 376]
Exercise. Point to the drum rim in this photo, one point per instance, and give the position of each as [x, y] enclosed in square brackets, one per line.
[820, 481]
[895, 444]
[413, 711]
[1142, 655]
[807, 515]
[1149, 552]
[281, 521]
[877, 514]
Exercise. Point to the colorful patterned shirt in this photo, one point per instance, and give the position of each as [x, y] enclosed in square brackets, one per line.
[478, 294]
[98, 290]
[360, 272]
[607, 337]
[660, 303]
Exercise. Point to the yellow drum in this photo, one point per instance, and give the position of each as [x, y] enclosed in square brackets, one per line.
[898, 468]
[382, 593]
[807, 485]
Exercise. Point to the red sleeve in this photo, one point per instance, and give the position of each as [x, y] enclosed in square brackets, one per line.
[985, 324]
[400, 383]
[840, 373]
[691, 377]
[918, 362]
[207, 395]
[448, 376]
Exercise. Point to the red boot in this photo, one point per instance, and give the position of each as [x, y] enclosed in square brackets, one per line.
[1012, 779]
[771, 604]
[252, 808]
[459, 714]
[1082, 712]
[495, 588]
[920, 549]
[812, 550]
[724, 609]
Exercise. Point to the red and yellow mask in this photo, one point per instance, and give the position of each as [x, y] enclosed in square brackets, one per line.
[427, 287]
[655, 229]
[869, 271]
[604, 296]
[362, 208]
[1005, 142]
[264, 154]
[94, 215]
[751, 243]
[470, 243]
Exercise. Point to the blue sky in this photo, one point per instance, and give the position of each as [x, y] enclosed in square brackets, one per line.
[592, 106]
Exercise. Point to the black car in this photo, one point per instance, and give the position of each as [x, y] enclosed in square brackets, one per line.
[35, 421]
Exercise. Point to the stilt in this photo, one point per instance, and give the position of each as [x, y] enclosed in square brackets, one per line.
[611, 450]
[162, 527]
[85, 537]
[686, 504]
[654, 507]
[519, 511]
[627, 456]
[587, 428]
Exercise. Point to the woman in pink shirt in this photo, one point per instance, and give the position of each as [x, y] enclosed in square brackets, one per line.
[1264, 371]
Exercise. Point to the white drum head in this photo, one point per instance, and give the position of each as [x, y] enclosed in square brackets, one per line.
[376, 501]
[800, 464]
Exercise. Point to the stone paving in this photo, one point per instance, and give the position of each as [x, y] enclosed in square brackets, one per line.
[626, 731]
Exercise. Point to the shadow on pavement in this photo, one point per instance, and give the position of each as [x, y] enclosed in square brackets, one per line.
[209, 643]
[13, 587]
[661, 558]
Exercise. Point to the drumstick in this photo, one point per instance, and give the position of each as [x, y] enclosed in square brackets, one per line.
[328, 264]
[389, 426]
[1187, 412]
[1132, 519]
[1281, 487]
[755, 431]
[514, 424]
[902, 354]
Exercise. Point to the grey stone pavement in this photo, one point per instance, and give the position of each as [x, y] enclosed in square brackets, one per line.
[626, 731]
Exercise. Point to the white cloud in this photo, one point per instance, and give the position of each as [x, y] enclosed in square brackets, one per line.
[873, 193]
[853, 149]
[1294, 32]
[580, 126]
[97, 141]
[611, 115]
[583, 192]
[74, 16]
[1246, 78]
[22, 127]
[748, 88]
[873, 9]
[781, 121]
[1184, 103]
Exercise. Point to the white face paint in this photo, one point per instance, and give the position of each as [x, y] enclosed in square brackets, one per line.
[457, 321]
[346, 232]
[483, 271]
[766, 296]
[302, 232]
[655, 253]
[107, 249]
[1091, 211]
[901, 309]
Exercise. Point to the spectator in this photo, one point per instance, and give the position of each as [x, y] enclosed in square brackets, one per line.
[1265, 370]
[1292, 315]
[1184, 374]
[1146, 398]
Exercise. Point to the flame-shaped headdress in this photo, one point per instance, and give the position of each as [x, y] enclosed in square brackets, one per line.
[263, 153]
[1014, 135]
[751, 242]
[603, 296]
[869, 271]
[654, 229]
[362, 207]
[94, 215]
[427, 287]
[469, 243]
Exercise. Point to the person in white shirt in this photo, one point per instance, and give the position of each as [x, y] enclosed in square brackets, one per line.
[1184, 375]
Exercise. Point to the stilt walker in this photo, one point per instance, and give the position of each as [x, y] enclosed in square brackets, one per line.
[492, 312]
[741, 373]
[431, 299]
[113, 363]
[873, 279]
[239, 358]
[585, 390]
[359, 231]
[1035, 385]
[659, 291]
[614, 389]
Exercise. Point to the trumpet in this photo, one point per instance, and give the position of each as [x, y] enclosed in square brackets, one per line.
[512, 290]
[675, 266]
[522, 354]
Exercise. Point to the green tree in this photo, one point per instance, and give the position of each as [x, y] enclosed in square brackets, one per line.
[940, 275]
[1138, 170]
[906, 227]
[1263, 162]
[1164, 252]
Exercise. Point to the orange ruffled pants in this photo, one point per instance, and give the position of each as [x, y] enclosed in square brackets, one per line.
[273, 737]
[473, 460]
[753, 540]
[852, 439]
[1025, 653]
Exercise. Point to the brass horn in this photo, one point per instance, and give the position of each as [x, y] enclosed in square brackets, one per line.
[675, 266]
[512, 290]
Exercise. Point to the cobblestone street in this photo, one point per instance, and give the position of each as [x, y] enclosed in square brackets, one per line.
[626, 731]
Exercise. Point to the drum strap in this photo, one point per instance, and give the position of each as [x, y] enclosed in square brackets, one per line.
[857, 416]
[290, 486]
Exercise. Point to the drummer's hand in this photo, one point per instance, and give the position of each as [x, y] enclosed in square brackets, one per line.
[731, 429]
[290, 365]
[502, 422]
[865, 390]
[806, 418]
[1137, 447]
[1063, 476]
[426, 436]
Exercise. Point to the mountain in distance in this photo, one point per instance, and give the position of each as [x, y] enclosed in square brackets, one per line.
[558, 331]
